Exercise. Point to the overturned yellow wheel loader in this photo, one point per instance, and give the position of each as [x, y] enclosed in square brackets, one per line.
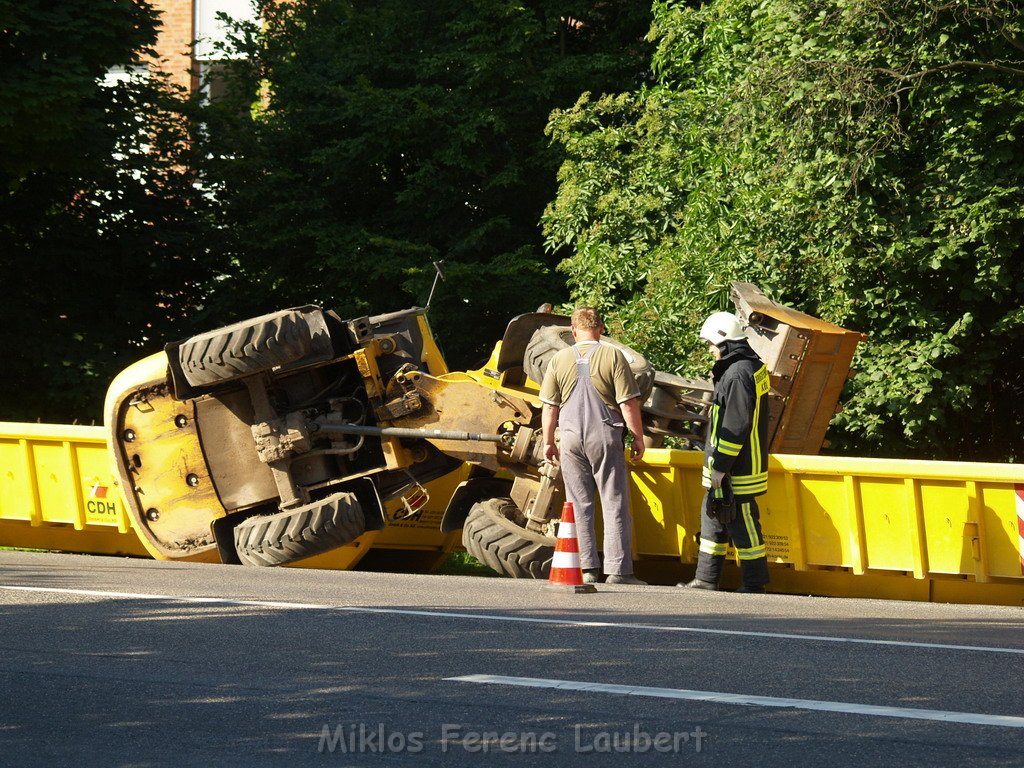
[280, 438]
[264, 442]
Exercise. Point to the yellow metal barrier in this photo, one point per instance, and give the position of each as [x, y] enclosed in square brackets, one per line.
[57, 491]
[942, 531]
[920, 530]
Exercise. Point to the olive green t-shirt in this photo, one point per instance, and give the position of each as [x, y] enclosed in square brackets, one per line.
[609, 372]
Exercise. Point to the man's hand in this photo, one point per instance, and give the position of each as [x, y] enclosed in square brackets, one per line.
[717, 478]
[551, 453]
[723, 510]
[634, 423]
[636, 449]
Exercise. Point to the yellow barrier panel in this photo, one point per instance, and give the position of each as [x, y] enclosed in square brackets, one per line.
[57, 491]
[952, 527]
[944, 531]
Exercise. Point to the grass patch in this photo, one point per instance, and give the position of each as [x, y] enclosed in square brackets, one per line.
[464, 564]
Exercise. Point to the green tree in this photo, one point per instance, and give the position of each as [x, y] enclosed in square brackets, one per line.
[360, 141]
[100, 221]
[858, 159]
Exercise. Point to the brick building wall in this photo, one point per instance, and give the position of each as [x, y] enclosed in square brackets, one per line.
[173, 45]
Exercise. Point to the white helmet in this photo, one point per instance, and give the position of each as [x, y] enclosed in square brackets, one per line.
[722, 326]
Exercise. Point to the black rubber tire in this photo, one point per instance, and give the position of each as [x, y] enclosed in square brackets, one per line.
[248, 347]
[495, 540]
[542, 346]
[550, 339]
[288, 536]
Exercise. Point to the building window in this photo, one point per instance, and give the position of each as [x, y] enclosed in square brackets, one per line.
[212, 30]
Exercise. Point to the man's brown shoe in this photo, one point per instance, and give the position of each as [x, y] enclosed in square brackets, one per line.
[627, 578]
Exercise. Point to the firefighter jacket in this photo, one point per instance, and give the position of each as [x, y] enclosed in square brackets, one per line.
[737, 441]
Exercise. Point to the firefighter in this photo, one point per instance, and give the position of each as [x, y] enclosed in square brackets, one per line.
[590, 394]
[735, 469]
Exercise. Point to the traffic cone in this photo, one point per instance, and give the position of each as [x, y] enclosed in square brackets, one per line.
[566, 574]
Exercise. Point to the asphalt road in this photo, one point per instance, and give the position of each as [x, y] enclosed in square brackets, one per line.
[120, 662]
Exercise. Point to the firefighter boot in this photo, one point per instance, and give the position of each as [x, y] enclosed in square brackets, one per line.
[698, 584]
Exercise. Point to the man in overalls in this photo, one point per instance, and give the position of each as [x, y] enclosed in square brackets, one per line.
[590, 394]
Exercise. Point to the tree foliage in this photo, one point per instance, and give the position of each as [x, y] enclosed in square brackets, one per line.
[361, 141]
[859, 159]
[100, 220]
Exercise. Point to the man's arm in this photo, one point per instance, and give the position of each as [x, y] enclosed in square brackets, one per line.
[631, 415]
[549, 420]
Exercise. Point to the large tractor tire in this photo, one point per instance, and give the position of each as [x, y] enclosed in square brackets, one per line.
[492, 537]
[295, 534]
[252, 346]
[550, 339]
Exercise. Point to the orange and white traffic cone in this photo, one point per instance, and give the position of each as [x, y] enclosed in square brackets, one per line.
[566, 573]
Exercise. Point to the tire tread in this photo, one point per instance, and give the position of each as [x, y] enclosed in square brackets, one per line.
[285, 537]
[503, 546]
[245, 348]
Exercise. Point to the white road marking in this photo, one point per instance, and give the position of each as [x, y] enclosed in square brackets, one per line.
[177, 598]
[513, 619]
[970, 718]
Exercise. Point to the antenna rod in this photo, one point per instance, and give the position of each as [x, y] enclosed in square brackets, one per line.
[439, 266]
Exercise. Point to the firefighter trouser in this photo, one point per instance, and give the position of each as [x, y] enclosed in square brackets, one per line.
[745, 533]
